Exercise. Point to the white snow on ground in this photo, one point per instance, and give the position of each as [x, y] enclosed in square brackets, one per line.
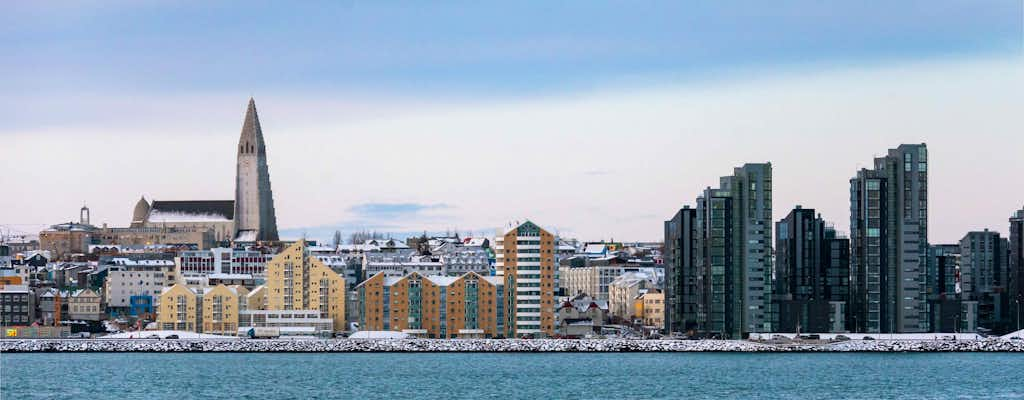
[874, 336]
[379, 335]
[164, 334]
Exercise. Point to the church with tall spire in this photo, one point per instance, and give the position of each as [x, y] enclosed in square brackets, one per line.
[254, 201]
[248, 218]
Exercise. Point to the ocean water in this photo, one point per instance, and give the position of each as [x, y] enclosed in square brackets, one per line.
[511, 376]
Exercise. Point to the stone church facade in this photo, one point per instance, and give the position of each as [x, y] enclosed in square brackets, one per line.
[248, 218]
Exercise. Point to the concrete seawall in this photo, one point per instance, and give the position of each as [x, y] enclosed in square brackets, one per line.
[495, 345]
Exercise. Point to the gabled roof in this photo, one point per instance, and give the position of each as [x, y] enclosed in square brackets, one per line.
[80, 292]
[525, 224]
[475, 241]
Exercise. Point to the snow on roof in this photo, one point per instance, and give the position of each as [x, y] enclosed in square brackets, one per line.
[128, 261]
[80, 292]
[321, 249]
[633, 278]
[52, 292]
[441, 280]
[386, 243]
[246, 236]
[495, 280]
[255, 291]
[191, 211]
[14, 288]
[229, 276]
[166, 289]
[232, 288]
[474, 241]
[157, 216]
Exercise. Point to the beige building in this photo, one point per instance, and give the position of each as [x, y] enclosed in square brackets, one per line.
[298, 281]
[525, 257]
[180, 309]
[592, 276]
[650, 308]
[64, 240]
[221, 307]
[67, 239]
[85, 305]
[256, 299]
[623, 292]
[215, 216]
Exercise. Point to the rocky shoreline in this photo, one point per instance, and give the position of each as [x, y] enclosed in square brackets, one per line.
[496, 345]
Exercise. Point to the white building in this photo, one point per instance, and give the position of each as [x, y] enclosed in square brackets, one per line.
[222, 260]
[459, 259]
[400, 264]
[127, 278]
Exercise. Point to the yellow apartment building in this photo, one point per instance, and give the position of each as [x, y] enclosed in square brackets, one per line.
[221, 306]
[297, 281]
[180, 309]
[650, 308]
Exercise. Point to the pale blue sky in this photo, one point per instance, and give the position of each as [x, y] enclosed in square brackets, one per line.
[416, 101]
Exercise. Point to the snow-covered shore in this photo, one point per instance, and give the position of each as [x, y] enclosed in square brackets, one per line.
[494, 345]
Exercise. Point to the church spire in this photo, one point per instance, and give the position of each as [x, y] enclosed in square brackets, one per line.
[251, 140]
[254, 217]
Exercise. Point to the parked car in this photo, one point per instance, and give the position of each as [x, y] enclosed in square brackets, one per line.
[171, 337]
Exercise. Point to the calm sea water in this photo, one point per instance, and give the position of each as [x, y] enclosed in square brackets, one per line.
[511, 376]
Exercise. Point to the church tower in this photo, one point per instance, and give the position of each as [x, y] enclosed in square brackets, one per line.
[254, 201]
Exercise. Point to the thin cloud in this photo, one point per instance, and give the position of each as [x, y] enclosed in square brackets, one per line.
[394, 210]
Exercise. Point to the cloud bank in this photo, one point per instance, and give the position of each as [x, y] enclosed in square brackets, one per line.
[418, 166]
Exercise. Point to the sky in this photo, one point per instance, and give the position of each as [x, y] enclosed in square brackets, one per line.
[596, 120]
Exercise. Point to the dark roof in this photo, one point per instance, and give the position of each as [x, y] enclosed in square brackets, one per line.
[216, 207]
